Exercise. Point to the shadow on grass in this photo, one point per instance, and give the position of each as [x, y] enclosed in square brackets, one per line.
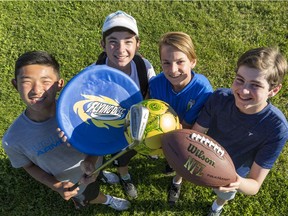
[22, 195]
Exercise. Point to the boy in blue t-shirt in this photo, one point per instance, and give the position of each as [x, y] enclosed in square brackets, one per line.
[245, 123]
[179, 86]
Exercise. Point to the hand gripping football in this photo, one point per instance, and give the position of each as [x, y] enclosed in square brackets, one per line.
[198, 158]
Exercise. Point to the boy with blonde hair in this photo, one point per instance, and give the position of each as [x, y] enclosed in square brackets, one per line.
[180, 86]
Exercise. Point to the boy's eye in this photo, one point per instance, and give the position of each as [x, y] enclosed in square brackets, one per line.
[180, 62]
[165, 63]
[256, 86]
[239, 80]
[25, 81]
[112, 42]
[46, 82]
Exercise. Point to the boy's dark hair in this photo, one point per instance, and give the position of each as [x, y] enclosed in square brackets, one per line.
[36, 57]
[141, 70]
[118, 29]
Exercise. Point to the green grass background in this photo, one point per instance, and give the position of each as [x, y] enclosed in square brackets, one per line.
[71, 30]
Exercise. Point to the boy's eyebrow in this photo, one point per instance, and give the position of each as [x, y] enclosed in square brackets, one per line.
[24, 77]
[178, 59]
[237, 75]
[29, 77]
[114, 38]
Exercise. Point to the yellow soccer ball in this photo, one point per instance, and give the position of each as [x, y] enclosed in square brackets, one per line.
[162, 119]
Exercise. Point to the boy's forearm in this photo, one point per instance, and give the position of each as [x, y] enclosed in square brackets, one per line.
[252, 184]
[41, 176]
[249, 186]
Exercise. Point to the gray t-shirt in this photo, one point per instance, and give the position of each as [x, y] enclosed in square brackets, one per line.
[26, 141]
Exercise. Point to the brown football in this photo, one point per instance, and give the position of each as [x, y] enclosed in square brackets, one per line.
[198, 158]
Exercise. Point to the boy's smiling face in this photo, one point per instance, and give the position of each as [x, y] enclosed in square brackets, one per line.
[176, 67]
[251, 90]
[121, 47]
[38, 86]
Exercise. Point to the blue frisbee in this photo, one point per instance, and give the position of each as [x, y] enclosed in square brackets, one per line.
[92, 107]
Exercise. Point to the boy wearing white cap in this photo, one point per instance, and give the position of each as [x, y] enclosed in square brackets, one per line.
[120, 42]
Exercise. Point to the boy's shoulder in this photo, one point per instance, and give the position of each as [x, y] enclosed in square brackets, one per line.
[223, 91]
[201, 77]
[18, 125]
[201, 80]
[141, 67]
[142, 73]
[159, 78]
[222, 97]
[276, 113]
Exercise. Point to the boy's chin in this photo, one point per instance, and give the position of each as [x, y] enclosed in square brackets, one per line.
[123, 64]
[246, 108]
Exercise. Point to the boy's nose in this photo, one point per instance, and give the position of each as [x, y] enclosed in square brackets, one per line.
[121, 46]
[173, 68]
[37, 88]
[245, 89]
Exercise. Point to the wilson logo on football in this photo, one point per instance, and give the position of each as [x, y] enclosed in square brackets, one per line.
[102, 111]
[201, 155]
[205, 141]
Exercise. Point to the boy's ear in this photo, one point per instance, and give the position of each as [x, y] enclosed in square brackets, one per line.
[14, 83]
[137, 45]
[60, 84]
[102, 43]
[193, 63]
[274, 91]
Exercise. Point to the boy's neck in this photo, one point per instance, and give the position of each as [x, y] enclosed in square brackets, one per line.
[126, 69]
[40, 116]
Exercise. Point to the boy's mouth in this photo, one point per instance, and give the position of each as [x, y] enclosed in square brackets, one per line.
[243, 98]
[175, 76]
[120, 57]
[37, 100]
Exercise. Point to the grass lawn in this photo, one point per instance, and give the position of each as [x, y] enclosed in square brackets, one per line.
[71, 30]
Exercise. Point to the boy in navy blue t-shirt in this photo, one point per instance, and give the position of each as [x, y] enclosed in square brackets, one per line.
[245, 123]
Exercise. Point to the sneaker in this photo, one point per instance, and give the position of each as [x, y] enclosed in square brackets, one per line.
[119, 204]
[109, 177]
[214, 213]
[168, 170]
[129, 188]
[174, 193]
[153, 157]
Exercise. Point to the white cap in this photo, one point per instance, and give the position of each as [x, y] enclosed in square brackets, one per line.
[120, 19]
